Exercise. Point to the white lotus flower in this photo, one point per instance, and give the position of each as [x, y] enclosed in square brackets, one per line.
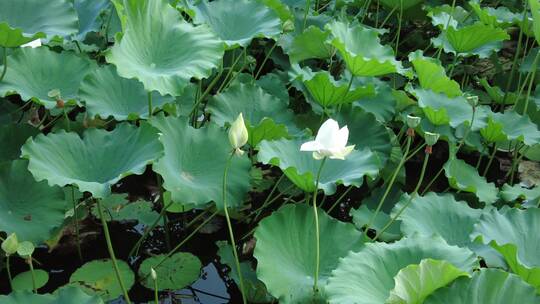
[33, 44]
[331, 141]
[238, 135]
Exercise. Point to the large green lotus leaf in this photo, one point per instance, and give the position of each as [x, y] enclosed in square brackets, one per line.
[30, 209]
[89, 12]
[476, 39]
[300, 167]
[237, 22]
[194, 161]
[51, 17]
[12, 37]
[255, 104]
[106, 94]
[311, 43]
[362, 50]
[12, 137]
[328, 92]
[443, 110]
[414, 283]
[287, 238]
[34, 72]
[511, 126]
[95, 162]
[64, 295]
[367, 277]
[383, 105]
[255, 289]
[498, 95]
[161, 49]
[491, 286]
[366, 132]
[98, 278]
[512, 193]
[24, 280]
[438, 214]
[432, 75]
[178, 271]
[444, 16]
[500, 16]
[512, 232]
[465, 177]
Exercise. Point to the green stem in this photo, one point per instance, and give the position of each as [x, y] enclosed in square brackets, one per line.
[4, 70]
[446, 26]
[229, 226]
[269, 195]
[433, 180]
[156, 296]
[8, 269]
[531, 83]
[454, 62]
[411, 197]
[317, 233]
[491, 157]
[111, 251]
[516, 56]
[231, 69]
[31, 264]
[150, 108]
[306, 12]
[264, 61]
[398, 34]
[147, 231]
[390, 184]
[66, 118]
[76, 223]
[340, 199]
[413, 153]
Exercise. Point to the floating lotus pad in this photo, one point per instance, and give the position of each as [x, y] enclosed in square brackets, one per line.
[106, 94]
[194, 161]
[176, 272]
[98, 278]
[287, 238]
[63, 295]
[237, 22]
[301, 168]
[34, 72]
[30, 209]
[95, 162]
[367, 277]
[161, 49]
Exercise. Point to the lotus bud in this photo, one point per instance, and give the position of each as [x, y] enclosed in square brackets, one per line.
[153, 273]
[288, 26]
[10, 244]
[56, 95]
[25, 249]
[413, 121]
[473, 101]
[238, 134]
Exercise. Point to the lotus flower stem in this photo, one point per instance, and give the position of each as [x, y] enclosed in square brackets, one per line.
[317, 234]
[531, 83]
[4, 62]
[264, 61]
[31, 264]
[8, 269]
[229, 226]
[306, 13]
[398, 34]
[111, 251]
[411, 197]
[340, 199]
[390, 184]
[491, 157]
[147, 231]
[76, 223]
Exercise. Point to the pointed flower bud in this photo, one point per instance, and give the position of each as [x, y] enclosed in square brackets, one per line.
[10, 244]
[153, 273]
[238, 134]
